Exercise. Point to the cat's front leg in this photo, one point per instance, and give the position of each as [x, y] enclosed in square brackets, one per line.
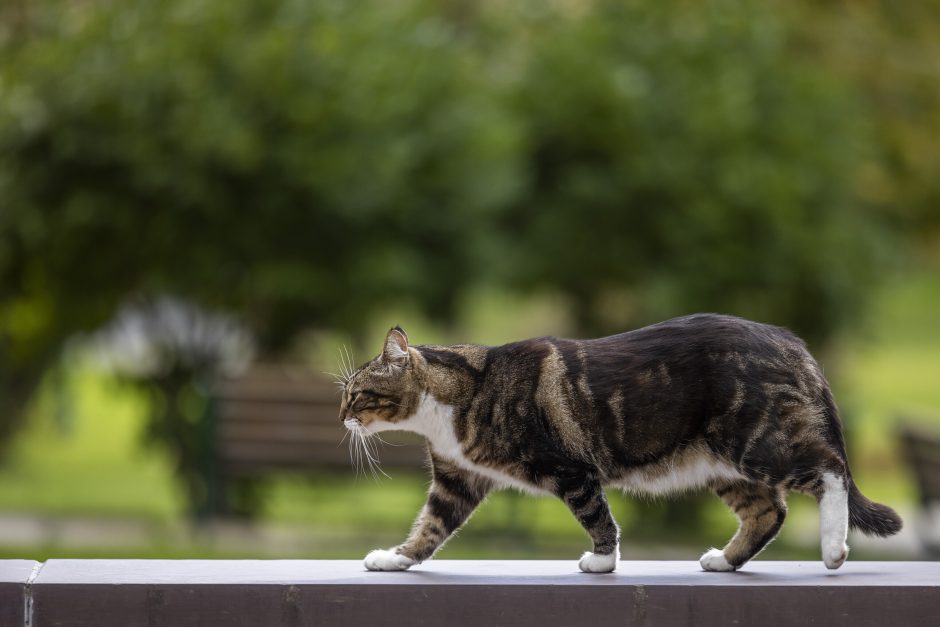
[453, 496]
[584, 496]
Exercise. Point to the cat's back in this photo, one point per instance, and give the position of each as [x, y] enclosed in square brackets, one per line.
[701, 338]
[694, 365]
[689, 345]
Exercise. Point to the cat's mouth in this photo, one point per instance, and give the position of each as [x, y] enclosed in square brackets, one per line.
[353, 424]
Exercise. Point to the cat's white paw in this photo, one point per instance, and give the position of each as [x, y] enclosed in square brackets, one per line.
[835, 554]
[380, 559]
[714, 560]
[597, 563]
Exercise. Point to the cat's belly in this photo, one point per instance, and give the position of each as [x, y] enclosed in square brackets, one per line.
[688, 470]
[499, 477]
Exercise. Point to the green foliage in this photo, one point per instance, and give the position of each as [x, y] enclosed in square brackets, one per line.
[703, 164]
[889, 50]
[307, 164]
[253, 157]
[300, 164]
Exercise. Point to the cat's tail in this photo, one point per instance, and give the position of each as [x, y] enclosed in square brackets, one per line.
[870, 518]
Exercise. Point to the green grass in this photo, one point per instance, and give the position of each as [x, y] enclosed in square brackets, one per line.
[890, 374]
[83, 455]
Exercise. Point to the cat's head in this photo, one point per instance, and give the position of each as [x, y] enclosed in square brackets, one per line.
[383, 391]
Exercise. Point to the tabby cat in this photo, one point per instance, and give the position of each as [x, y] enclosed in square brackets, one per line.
[706, 400]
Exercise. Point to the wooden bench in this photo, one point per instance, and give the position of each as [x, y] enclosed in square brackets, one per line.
[921, 448]
[275, 420]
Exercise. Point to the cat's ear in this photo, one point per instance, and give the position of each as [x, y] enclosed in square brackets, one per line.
[395, 352]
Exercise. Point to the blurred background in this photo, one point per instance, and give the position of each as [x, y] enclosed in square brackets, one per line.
[205, 205]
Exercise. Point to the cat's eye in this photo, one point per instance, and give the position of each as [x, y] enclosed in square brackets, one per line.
[370, 399]
[363, 399]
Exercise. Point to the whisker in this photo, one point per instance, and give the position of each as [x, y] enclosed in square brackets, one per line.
[337, 377]
[376, 470]
[342, 365]
[372, 455]
[358, 449]
[363, 458]
[344, 357]
[365, 445]
[351, 462]
[352, 364]
[374, 466]
[383, 441]
[367, 454]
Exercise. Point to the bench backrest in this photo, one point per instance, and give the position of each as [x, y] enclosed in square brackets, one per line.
[273, 419]
[922, 450]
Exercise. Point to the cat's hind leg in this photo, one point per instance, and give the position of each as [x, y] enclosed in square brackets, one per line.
[760, 510]
[829, 486]
[833, 519]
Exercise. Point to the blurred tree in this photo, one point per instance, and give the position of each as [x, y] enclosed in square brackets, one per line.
[306, 164]
[889, 50]
[704, 163]
[300, 163]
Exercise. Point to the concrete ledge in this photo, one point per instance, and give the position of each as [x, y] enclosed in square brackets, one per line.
[158, 593]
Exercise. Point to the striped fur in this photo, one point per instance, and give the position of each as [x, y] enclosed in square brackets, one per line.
[700, 401]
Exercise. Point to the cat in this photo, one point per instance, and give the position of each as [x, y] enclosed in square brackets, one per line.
[701, 401]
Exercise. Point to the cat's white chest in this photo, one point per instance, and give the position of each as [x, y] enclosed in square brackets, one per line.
[435, 421]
